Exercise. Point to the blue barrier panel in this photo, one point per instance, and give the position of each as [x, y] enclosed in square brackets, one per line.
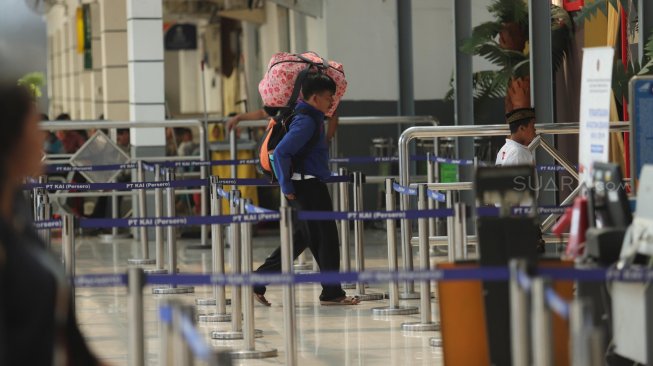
[116, 186]
[552, 168]
[101, 280]
[47, 224]
[194, 339]
[631, 274]
[165, 314]
[434, 195]
[177, 221]
[524, 281]
[373, 215]
[58, 168]
[255, 209]
[556, 303]
[459, 274]
[493, 211]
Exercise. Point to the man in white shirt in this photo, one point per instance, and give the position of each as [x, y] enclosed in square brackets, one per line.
[522, 133]
[515, 151]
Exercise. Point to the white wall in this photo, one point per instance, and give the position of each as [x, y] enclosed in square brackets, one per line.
[362, 35]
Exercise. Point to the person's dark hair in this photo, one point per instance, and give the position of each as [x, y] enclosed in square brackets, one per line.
[120, 131]
[316, 83]
[45, 117]
[16, 103]
[514, 126]
[63, 117]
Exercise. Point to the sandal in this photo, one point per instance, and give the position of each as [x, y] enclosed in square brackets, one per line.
[345, 300]
[262, 300]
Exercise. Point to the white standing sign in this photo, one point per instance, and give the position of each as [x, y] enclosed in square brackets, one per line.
[595, 94]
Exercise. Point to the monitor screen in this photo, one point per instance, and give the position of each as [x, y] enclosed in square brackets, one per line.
[611, 206]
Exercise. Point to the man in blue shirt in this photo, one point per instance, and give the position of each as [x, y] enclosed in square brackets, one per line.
[301, 163]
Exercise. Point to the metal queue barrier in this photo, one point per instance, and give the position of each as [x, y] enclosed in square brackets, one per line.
[532, 302]
[416, 133]
[77, 125]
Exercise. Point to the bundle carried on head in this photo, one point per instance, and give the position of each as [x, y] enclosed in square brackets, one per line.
[281, 85]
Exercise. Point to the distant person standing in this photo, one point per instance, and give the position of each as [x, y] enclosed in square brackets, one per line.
[72, 140]
[522, 132]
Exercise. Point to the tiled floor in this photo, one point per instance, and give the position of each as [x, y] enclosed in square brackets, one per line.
[326, 335]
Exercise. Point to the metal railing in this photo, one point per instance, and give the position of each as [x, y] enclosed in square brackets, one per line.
[109, 125]
[421, 133]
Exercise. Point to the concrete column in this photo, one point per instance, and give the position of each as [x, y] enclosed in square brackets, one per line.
[113, 39]
[77, 68]
[65, 71]
[146, 73]
[97, 91]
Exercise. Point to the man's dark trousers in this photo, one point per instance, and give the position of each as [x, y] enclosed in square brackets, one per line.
[320, 236]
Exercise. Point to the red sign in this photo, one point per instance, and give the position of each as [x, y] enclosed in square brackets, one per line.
[573, 5]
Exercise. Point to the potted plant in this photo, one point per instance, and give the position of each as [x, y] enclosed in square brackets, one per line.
[504, 42]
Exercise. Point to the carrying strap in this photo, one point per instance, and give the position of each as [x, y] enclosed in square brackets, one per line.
[299, 158]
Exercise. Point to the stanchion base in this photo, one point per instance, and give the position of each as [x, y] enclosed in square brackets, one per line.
[254, 354]
[420, 327]
[198, 247]
[155, 271]
[141, 261]
[369, 297]
[409, 296]
[435, 342]
[303, 267]
[209, 302]
[109, 238]
[231, 335]
[173, 290]
[388, 310]
[214, 318]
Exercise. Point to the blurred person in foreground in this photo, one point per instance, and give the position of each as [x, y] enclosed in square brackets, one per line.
[37, 316]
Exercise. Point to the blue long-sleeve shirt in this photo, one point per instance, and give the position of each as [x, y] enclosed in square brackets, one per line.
[292, 153]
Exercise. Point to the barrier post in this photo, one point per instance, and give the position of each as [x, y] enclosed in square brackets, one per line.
[249, 331]
[217, 252]
[393, 307]
[68, 247]
[204, 209]
[136, 281]
[68, 243]
[236, 331]
[142, 212]
[586, 338]
[166, 337]
[460, 231]
[43, 179]
[359, 250]
[430, 178]
[45, 213]
[182, 354]
[519, 333]
[541, 334]
[172, 243]
[158, 230]
[451, 251]
[344, 228]
[289, 320]
[425, 324]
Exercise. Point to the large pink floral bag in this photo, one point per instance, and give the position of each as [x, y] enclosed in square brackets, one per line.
[281, 85]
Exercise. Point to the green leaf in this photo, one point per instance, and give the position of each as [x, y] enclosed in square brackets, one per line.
[508, 11]
[492, 52]
[34, 81]
[480, 34]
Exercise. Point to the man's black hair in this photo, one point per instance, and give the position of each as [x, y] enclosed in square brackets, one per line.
[63, 117]
[514, 126]
[120, 131]
[317, 83]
